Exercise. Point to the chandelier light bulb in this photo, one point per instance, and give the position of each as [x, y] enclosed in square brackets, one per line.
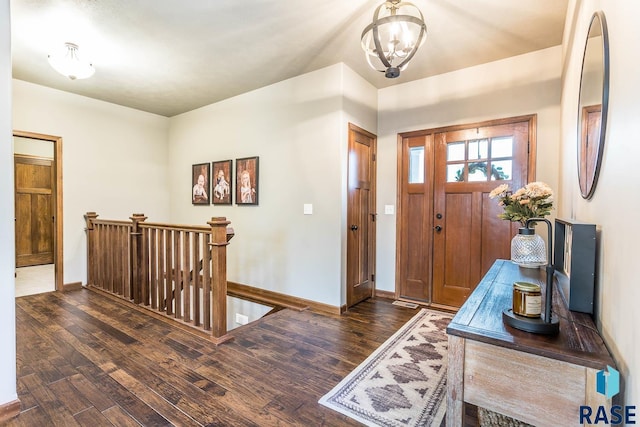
[67, 62]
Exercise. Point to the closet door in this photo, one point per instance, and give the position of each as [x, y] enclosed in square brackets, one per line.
[34, 183]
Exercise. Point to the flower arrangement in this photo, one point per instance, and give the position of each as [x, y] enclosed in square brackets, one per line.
[534, 200]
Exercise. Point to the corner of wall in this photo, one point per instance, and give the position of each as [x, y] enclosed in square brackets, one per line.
[8, 392]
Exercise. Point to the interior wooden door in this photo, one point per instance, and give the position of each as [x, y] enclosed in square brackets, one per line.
[361, 215]
[589, 146]
[34, 191]
[468, 236]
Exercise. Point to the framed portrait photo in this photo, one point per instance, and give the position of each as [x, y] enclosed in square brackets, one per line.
[221, 182]
[247, 181]
[200, 174]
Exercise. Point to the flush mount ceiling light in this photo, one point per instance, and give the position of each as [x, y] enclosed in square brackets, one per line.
[67, 62]
[394, 36]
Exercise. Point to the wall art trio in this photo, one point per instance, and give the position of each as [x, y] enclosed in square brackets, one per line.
[212, 183]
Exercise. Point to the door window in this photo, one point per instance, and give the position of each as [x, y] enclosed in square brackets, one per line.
[480, 160]
[416, 165]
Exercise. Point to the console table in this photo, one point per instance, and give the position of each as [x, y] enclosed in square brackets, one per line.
[538, 379]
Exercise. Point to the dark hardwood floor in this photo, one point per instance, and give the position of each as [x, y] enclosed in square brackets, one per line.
[84, 359]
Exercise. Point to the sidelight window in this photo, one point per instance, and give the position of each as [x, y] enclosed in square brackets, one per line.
[416, 165]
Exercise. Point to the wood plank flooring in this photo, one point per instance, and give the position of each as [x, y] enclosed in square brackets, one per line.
[86, 360]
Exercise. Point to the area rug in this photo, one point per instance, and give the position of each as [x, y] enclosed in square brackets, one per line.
[403, 382]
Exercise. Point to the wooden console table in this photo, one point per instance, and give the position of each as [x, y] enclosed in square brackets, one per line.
[538, 379]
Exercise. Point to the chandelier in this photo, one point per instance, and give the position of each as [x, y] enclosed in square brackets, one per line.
[67, 62]
[394, 36]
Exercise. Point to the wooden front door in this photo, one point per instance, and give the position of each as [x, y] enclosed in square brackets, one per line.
[360, 215]
[449, 234]
[34, 190]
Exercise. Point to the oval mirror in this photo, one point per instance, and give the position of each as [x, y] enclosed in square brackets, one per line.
[592, 104]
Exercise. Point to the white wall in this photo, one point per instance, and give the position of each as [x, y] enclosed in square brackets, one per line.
[614, 207]
[298, 129]
[7, 251]
[525, 84]
[114, 160]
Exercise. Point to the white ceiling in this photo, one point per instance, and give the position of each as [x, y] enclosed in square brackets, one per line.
[172, 56]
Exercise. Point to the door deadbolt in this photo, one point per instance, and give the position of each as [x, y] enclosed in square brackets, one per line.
[354, 227]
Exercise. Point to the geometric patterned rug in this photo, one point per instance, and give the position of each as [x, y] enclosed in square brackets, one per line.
[403, 382]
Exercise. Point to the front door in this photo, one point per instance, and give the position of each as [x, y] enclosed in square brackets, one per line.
[360, 215]
[469, 236]
[449, 232]
[34, 190]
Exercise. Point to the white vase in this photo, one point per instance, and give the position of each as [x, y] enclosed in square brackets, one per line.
[528, 249]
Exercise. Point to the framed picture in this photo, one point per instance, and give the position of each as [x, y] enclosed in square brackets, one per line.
[222, 183]
[247, 181]
[200, 174]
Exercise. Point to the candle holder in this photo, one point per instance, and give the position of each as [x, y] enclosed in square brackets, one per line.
[546, 324]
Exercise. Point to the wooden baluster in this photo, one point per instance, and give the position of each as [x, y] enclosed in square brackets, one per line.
[219, 275]
[102, 248]
[162, 273]
[125, 256]
[206, 282]
[109, 259]
[97, 278]
[137, 257]
[146, 294]
[117, 260]
[113, 266]
[91, 247]
[186, 282]
[177, 268]
[195, 277]
[153, 280]
[168, 274]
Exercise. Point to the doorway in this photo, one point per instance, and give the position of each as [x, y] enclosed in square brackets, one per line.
[361, 216]
[38, 212]
[448, 231]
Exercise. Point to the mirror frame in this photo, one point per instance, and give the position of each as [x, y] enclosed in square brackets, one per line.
[587, 193]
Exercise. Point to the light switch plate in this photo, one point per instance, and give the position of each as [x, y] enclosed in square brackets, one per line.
[308, 209]
[389, 209]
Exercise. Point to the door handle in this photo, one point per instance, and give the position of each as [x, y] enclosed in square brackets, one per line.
[354, 227]
[437, 228]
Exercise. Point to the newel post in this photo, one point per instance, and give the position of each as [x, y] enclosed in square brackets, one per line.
[137, 257]
[89, 217]
[218, 247]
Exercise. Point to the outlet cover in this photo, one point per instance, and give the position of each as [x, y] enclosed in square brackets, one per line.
[241, 319]
[308, 209]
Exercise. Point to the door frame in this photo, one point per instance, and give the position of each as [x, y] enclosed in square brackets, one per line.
[58, 257]
[532, 120]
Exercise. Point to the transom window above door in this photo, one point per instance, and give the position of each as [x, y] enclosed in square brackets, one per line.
[480, 160]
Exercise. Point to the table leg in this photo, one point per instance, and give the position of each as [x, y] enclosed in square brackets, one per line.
[455, 382]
